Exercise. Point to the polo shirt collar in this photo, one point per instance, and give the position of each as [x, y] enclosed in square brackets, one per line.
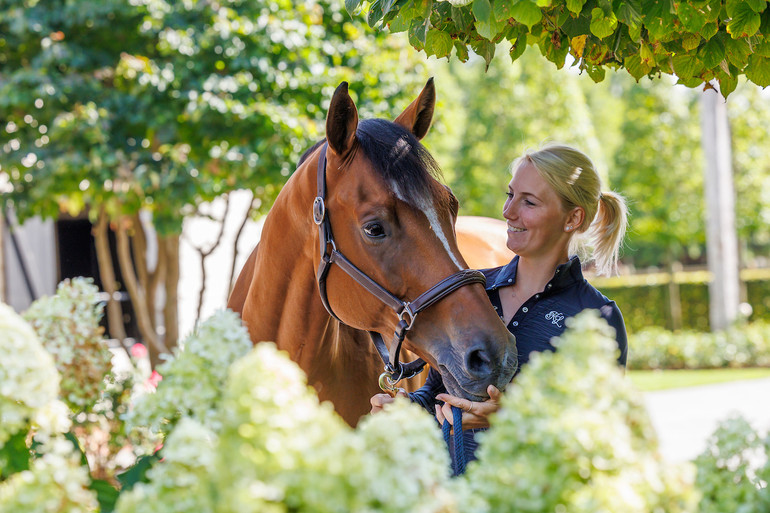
[566, 274]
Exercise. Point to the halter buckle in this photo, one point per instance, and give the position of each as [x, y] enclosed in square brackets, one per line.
[407, 311]
[319, 210]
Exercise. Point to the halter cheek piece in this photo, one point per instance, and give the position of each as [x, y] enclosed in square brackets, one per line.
[405, 310]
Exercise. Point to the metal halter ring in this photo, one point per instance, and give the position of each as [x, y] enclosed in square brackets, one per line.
[387, 384]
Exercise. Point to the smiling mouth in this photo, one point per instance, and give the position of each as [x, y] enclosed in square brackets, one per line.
[516, 230]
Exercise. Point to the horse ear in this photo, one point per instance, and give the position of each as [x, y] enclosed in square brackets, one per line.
[341, 121]
[418, 116]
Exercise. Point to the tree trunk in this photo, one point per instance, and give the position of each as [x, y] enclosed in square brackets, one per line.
[138, 296]
[170, 309]
[107, 276]
[721, 238]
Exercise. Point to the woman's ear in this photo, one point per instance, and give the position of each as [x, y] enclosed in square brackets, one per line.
[575, 218]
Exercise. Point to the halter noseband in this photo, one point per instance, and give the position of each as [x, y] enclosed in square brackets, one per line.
[405, 310]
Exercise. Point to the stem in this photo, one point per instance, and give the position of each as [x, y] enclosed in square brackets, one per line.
[107, 276]
[246, 218]
[138, 297]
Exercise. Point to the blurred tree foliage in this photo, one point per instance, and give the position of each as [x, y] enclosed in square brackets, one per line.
[160, 105]
[696, 41]
[644, 137]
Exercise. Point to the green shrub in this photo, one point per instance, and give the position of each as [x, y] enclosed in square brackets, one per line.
[743, 345]
[646, 304]
[734, 471]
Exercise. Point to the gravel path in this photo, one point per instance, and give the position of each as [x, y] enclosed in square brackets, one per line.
[684, 418]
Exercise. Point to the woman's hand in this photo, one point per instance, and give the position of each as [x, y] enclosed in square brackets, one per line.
[379, 401]
[475, 414]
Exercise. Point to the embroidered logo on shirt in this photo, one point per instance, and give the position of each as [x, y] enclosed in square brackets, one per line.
[554, 317]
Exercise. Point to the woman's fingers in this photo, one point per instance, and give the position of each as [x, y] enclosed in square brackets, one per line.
[379, 401]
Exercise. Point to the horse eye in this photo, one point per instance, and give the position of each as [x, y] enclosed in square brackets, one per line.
[374, 230]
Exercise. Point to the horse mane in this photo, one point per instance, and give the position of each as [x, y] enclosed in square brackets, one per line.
[397, 156]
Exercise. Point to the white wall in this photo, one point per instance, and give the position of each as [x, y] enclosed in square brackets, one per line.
[202, 232]
[37, 243]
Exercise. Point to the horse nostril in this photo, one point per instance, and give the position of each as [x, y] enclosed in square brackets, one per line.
[478, 362]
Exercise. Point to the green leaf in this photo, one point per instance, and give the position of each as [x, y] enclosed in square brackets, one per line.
[712, 53]
[526, 12]
[745, 22]
[14, 455]
[762, 48]
[737, 51]
[636, 67]
[629, 12]
[758, 70]
[686, 66]
[502, 10]
[517, 49]
[461, 51]
[482, 10]
[658, 18]
[418, 31]
[575, 5]
[709, 30]
[602, 25]
[727, 84]
[484, 49]
[690, 41]
[438, 43]
[106, 494]
[72, 438]
[757, 5]
[595, 72]
[692, 19]
[138, 471]
[463, 18]
[351, 6]
[398, 24]
[375, 13]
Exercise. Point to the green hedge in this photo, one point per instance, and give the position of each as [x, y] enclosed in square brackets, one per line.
[746, 345]
[645, 305]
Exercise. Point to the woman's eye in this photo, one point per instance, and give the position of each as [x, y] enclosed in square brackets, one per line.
[374, 230]
[509, 194]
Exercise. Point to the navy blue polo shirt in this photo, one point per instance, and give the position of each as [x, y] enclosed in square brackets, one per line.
[536, 322]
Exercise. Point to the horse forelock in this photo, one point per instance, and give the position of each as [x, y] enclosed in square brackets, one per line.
[399, 158]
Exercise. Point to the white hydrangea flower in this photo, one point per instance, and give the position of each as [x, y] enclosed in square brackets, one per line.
[28, 376]
[193, 380]
[55, 483]
[68, 325]
[573, 434]
[178, 484]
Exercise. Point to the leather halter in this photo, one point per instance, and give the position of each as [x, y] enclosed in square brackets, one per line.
[405, 310]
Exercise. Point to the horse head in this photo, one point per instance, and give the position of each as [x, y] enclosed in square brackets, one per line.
[394, 220]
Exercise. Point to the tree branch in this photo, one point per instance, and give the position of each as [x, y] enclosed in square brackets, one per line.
[107, 276]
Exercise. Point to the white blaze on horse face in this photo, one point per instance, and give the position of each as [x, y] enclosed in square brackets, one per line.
[426, 207]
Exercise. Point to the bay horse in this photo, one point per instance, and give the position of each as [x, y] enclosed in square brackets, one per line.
[368, 197]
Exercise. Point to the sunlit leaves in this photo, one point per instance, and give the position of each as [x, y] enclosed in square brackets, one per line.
[645, 37]
[161, 105]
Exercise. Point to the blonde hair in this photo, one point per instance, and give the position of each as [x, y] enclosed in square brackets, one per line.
[572, 175]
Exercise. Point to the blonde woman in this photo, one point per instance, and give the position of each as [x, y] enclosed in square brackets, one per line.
[555, 208]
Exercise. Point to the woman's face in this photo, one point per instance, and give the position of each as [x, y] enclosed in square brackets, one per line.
[535, 216]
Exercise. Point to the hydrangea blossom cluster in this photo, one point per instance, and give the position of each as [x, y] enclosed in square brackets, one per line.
[279, 449]
[55, 483]
[29, 381]
[573, 435]
[193, 380]
[734, 469]
[68, 325]
[180, 483]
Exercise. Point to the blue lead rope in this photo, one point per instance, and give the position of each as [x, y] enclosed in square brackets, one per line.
[458, 463]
